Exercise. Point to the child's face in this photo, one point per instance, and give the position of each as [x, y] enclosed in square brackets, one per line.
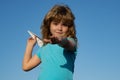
[58, 29]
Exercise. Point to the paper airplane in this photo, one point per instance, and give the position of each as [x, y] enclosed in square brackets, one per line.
[39, 40]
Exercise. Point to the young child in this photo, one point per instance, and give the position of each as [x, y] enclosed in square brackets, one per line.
[57, 55]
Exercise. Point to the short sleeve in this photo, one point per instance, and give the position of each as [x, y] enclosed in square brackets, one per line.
[38, 53]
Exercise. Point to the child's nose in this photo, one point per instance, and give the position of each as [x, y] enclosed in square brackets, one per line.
[60, 27]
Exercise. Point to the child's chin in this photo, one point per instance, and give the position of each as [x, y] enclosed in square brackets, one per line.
[59, 36]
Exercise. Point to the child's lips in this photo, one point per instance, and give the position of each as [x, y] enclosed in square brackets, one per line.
[59, 32]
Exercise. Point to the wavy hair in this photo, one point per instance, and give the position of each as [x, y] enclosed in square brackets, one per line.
[59, 13]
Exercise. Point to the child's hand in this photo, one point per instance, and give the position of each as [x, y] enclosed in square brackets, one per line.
[47, 41]
[31, 41]
[53, 40]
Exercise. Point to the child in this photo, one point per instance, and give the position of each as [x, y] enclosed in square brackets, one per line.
[57, 55]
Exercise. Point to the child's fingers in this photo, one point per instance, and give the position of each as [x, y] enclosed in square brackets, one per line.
[47, 40]
[55, 40]
[31, 41]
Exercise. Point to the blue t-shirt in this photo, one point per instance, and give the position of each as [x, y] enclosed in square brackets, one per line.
[57, 63]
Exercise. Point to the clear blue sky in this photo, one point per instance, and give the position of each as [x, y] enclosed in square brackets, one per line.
[98, 31]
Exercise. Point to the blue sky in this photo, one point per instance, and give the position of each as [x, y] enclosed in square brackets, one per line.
[98, 31]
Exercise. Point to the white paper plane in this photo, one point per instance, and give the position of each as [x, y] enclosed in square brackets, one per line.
[39, 40]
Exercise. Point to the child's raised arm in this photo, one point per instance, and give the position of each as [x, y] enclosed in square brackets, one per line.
[29, 61]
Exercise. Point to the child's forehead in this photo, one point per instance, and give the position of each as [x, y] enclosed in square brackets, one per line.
[62, 21]
[66, 19]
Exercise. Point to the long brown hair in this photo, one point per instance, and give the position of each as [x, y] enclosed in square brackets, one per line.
[59, 13]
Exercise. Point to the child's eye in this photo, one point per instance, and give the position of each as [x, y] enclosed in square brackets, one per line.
[65, 25]
[55, 23]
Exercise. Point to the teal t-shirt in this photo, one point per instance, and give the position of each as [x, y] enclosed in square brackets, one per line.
[57, 63]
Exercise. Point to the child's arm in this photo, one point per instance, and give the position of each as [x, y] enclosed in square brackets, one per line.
[67, 43]
[29, 61]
